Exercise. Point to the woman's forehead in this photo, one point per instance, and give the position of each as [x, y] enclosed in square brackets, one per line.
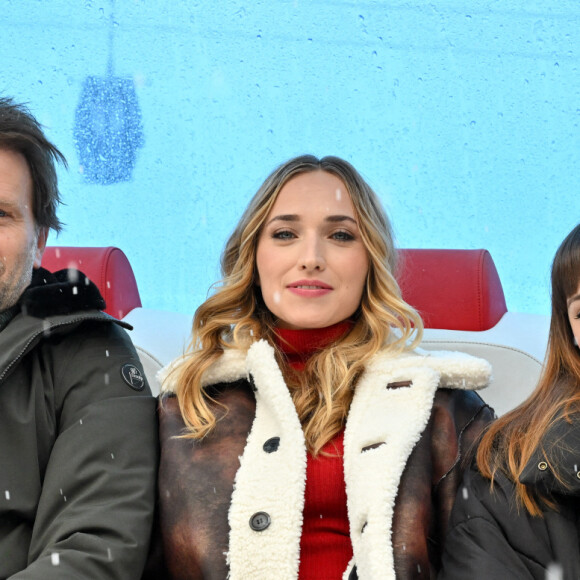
[314, 190]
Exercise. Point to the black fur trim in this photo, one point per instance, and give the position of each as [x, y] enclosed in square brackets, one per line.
[62, 292]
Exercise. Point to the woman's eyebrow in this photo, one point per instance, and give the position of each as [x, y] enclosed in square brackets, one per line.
[291, 217]
[340, 218]
[295, 218]
[573, 299]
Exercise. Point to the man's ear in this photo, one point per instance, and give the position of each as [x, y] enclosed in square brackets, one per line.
[40, 245]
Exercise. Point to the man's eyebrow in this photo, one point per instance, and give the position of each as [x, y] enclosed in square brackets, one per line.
[295, 218]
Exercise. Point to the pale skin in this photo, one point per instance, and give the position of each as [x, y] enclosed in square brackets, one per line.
[22, 243]
[311, 261]
[574, 314]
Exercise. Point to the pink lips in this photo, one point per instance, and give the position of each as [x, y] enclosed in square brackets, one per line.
[309, 288]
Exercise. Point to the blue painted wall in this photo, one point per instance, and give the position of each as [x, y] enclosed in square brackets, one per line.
[464, 116]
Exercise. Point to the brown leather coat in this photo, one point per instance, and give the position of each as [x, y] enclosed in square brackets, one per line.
[401, 475]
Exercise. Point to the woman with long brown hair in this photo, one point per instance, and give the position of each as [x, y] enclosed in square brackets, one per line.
[518, 516]
[302, 434]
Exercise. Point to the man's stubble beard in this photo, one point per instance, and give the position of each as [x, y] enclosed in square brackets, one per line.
[11, 290]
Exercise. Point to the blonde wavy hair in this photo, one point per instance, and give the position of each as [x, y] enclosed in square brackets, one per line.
[235, 315]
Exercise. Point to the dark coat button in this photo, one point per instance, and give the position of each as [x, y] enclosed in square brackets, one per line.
[259, 521]
[272, 445]
[353, 575]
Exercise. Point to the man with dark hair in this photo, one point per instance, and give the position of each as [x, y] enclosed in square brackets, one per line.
[78, 442]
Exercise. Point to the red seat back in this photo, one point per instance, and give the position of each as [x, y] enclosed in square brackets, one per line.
[452, 289]
[108, 268]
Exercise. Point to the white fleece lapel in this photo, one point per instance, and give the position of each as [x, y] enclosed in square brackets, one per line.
[394, 419]
[391, 420]
[268, 482]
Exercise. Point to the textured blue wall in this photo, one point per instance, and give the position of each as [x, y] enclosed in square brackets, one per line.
[463, 116]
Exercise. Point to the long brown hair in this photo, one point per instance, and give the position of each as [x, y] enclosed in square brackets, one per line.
[511, 441]
[235, 315]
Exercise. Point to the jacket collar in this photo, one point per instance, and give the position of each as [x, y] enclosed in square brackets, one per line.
[51, 304]
[457, 370]
[61, 292]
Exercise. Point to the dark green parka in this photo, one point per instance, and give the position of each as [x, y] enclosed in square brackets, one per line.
[78, 438]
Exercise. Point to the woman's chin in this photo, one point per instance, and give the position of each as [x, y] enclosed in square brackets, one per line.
[306, 323]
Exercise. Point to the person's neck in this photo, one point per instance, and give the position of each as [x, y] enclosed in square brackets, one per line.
[298, 345]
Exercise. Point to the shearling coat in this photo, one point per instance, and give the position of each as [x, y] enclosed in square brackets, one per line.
[232, 502]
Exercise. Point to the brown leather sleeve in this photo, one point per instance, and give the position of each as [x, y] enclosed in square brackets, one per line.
[460, 419]
[413, 512]
[430, 481]
[195, 486]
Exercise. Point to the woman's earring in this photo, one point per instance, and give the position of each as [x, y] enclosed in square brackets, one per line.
[575, 341]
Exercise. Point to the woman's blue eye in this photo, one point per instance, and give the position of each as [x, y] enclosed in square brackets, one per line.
[283, 235]
[343, 236]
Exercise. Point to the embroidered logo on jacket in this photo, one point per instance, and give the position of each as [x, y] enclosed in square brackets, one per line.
[133, 376]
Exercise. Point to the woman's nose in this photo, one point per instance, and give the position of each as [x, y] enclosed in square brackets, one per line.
[312, 256]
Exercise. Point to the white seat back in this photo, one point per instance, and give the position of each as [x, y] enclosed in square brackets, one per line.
[159, 337]
[515, 347]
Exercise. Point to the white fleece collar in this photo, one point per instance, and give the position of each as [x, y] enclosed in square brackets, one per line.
[457, 369]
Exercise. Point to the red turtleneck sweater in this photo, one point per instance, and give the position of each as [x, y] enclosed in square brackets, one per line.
[325, 547]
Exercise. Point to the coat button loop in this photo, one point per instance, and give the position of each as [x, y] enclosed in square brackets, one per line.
[272, 445]
[252, 384]
[260, 521]
[542, 466]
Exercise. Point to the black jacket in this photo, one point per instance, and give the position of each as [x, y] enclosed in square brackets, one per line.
[78, 441]
[490, 538]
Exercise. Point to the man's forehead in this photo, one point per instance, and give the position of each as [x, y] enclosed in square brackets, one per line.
[15, 178]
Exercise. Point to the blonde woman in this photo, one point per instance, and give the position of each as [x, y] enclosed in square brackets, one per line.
[519, 515]
[302, 435]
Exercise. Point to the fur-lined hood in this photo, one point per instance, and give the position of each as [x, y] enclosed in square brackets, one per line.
[61, 292]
